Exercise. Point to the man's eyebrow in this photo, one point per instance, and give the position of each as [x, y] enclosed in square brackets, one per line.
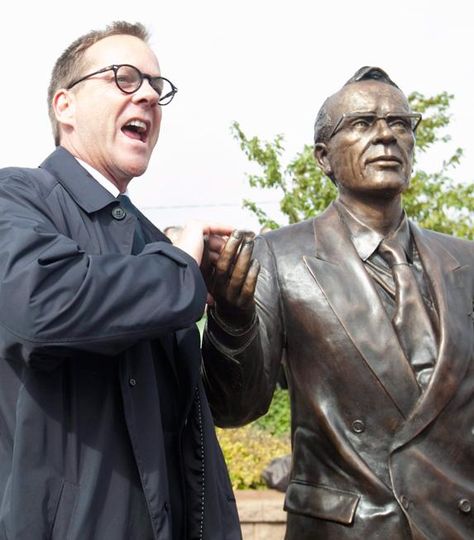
[374, 112]
[361, 112]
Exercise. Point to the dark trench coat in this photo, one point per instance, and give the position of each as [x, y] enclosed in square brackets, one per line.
[80, 421]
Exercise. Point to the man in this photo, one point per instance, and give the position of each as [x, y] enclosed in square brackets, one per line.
[374, 318]
[105, 431]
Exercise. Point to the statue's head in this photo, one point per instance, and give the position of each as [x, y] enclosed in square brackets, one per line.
[364, 134]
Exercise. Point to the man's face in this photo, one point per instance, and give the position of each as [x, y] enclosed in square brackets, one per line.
[100, 133]
[364, 160]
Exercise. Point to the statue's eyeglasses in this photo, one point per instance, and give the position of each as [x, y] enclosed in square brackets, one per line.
[400, 123]
[129, 79]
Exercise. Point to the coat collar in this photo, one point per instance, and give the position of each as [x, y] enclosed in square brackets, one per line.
[81, 186]
[86, 191]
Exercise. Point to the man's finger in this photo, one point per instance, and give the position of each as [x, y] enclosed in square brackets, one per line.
[216, 243]
[227, 256]
[241, 268]
[218, 228]
[248, 288]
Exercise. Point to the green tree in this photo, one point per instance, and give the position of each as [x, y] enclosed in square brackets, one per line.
[434, 200]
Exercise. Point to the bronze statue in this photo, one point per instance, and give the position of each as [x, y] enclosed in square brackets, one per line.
[373, 318]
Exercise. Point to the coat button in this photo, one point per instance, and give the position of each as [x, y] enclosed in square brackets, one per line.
[464, 506]
[118, 213]
[405, 502]
[132, 381]
[358, 426]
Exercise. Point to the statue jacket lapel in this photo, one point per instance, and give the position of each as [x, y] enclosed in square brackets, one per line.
[451, 283]
[349, 290]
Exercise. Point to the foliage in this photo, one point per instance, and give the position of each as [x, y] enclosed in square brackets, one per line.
[434, 200]
[278, 418]
[247, 451]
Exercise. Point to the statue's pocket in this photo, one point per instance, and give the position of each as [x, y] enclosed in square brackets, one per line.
[321, 502]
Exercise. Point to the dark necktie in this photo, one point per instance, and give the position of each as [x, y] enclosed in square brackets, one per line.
[410, 320]
[138, 236]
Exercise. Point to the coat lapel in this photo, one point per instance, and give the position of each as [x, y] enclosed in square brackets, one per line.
[340, 274]
[450, 285]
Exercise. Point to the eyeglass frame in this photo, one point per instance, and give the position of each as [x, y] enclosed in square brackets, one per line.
[116, 67]
[413, 116]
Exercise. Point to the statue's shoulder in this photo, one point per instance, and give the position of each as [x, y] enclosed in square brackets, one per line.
[289, 230]
[289, 236]
[451, 243]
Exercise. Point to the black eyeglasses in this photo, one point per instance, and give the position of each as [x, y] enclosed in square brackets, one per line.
[129, 79]
[400, 123]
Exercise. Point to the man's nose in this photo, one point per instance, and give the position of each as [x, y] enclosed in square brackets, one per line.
[382, 131]
[146, 94]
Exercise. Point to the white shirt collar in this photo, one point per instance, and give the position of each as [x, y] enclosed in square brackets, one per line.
[103, 181]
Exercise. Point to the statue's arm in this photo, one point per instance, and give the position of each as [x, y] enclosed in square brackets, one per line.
[242, 351]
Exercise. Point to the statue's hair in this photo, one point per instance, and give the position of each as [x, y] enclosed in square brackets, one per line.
[324, 122]
[70, 64]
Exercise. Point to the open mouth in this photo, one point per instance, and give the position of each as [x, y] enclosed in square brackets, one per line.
[136, 129]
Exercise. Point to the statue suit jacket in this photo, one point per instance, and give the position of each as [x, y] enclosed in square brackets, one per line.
[83, 325]
[369, 459]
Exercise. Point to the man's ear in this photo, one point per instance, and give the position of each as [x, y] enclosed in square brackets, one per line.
[321, 156]
[64, 107]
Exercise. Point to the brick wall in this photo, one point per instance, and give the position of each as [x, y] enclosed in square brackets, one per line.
[261, 514]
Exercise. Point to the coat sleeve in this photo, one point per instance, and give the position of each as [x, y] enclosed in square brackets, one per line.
[241, 370]
[56, 299]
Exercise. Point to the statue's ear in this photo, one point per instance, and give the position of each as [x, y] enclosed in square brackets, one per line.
[321, 156]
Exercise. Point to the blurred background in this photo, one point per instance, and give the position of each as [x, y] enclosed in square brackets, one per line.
[267, 64]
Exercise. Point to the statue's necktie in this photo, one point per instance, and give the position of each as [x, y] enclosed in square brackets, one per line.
[138, 236]
[410, 320]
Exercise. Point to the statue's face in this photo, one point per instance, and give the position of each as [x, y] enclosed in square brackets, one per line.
[369, 156]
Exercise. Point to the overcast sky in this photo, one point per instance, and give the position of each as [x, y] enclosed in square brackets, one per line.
[267, 64]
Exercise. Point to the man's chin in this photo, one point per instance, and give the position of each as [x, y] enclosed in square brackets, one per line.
[382, 190]
[134, 169]
[389, 183]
